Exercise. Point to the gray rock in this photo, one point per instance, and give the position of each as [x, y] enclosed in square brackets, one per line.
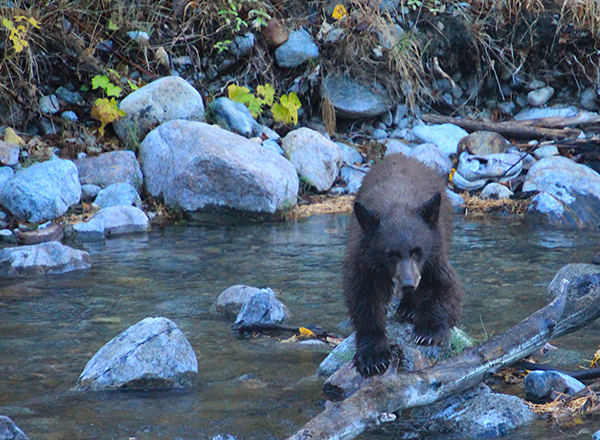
[353, 178]
[475, 413]
[109, 168]
[379, 134]
[445, 136]
[69, 97]
[458, 202]
[70, 115]
[545, 151]
[163, 100]
[350, 154]
[582, 279]
[299, 48]
[118, 194]
[353, 100]
[50, 257]
[234, 116]
[48, 127]
[195, 166]
[139, 36]
[232, 299]
[496, 191]
[340, 355]
[547, 385]
[6, 173]
[569, 193]
[315, 158]
[9, 153]
[7, 236]
[539, 97]
[43, 191]
[429, 154]
[150, 354]
[111, 221]
[261, 308]
[399, 114]
[10, 431]
[89, 192]
[49, 104]
[589, 98]
[272, 146]
[596, 435]
[536, 113]
[242, 45]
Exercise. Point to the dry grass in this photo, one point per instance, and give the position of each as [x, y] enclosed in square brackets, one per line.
[476, 206]
[316, 205]
[586, 401]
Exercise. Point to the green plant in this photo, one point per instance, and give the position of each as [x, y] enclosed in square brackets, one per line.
[18, 33]
[222, 45]
[285, 111]
[231, 14]
[104, 109]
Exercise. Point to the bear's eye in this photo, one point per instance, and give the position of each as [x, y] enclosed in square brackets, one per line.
[416, 252]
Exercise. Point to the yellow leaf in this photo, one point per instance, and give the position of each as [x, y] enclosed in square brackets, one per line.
[106, 111]
[339, 12]
[306, 332]
[267, 92]
[12, 137]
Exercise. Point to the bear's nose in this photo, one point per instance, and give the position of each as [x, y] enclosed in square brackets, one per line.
[408, 274]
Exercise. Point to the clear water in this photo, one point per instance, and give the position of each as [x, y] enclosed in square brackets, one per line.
[254, 388]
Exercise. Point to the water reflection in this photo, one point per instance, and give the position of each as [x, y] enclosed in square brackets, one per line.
[250, 388]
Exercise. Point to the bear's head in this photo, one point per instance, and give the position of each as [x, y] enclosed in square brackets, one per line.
[399, 241]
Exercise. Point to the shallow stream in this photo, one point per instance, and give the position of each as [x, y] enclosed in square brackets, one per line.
[254, 388]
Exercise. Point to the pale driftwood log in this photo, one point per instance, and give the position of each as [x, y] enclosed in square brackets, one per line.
[393, 391]
[512, 129]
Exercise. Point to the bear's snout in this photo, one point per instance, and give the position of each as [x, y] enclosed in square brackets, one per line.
[407, 275]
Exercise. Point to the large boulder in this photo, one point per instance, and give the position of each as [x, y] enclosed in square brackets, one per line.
[569, 193]
[43, 191]
[162, 100]
[150, 354]
[316, 158]
[199, 168]
[108, 168]
[50, 257]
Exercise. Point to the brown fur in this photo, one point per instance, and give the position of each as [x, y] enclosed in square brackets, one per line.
[400, 236]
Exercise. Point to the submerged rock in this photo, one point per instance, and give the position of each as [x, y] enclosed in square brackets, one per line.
[150, 354]
[51, 257]
[232, 299]
[545, 386]
[475, 413]
[200, 168]
[261, 308]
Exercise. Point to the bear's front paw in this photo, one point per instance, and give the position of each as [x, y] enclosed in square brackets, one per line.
[371, 362]
[431, 334]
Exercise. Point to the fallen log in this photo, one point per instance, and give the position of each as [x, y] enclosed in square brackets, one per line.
[395, 391]
[510, 129]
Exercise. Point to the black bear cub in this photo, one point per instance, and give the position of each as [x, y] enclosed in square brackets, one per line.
[399, 241]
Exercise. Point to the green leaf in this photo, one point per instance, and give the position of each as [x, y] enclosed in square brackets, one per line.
[238, 93]
[100, 81]
[112, 90]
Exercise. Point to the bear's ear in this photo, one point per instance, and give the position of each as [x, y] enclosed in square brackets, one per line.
[430, 211]
[367, 219]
